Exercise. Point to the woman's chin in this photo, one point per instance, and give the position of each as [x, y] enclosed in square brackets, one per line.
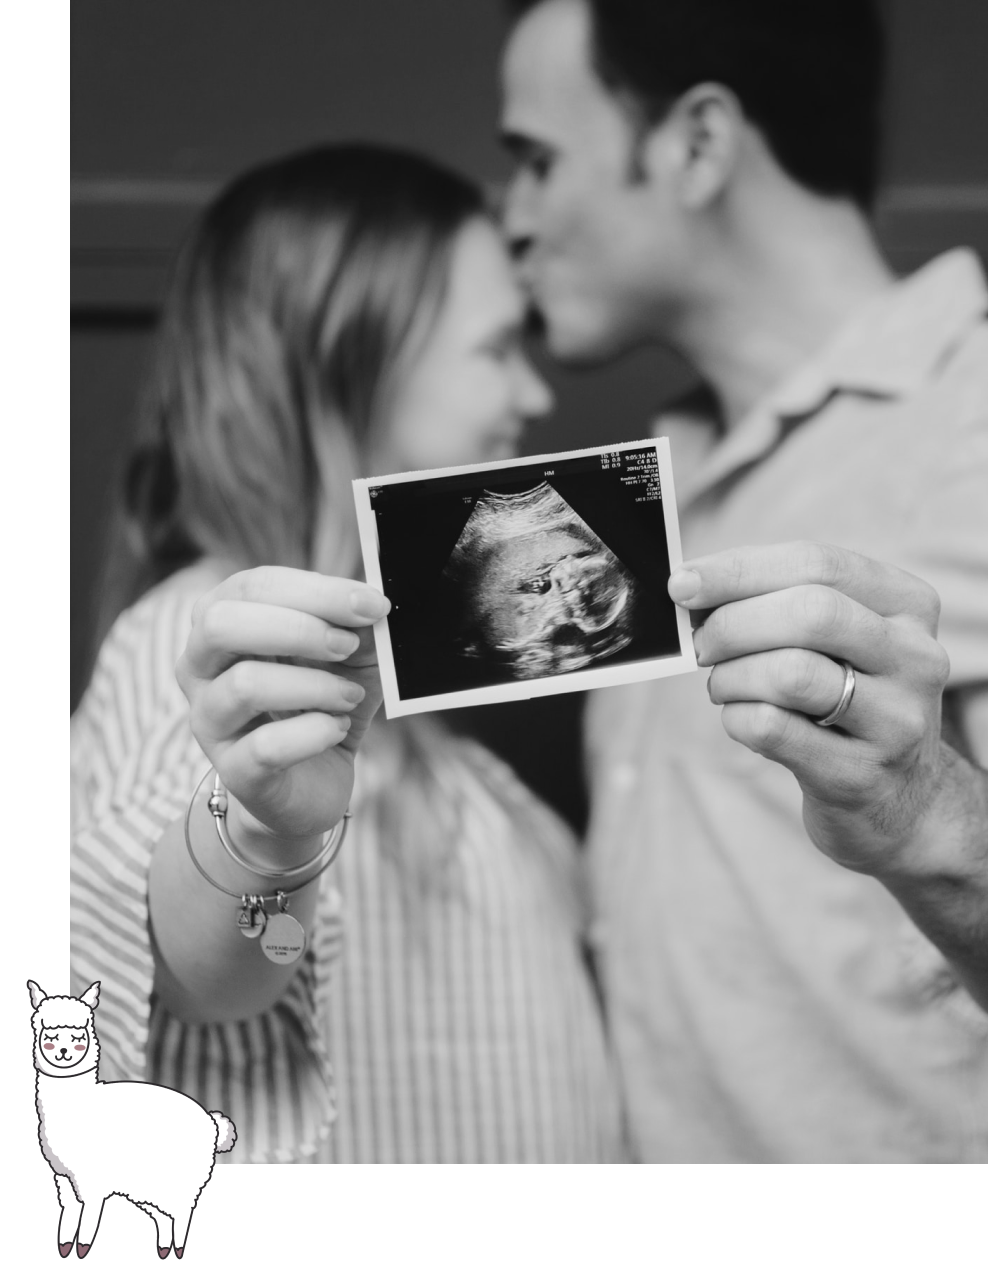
[502, 448]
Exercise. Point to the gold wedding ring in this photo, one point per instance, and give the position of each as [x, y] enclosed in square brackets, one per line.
[840, 709]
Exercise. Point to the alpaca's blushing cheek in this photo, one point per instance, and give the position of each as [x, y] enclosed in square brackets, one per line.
[48, 1045]
[80, 1048]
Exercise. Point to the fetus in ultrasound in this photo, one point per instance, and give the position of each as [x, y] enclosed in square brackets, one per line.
[539, 592]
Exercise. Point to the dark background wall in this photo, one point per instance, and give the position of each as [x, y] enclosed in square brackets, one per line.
[169, 100]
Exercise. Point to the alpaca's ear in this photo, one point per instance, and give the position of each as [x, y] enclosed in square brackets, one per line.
[36, 994]
[91, 997]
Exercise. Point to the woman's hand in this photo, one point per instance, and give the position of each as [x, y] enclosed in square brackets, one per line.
[282, 682]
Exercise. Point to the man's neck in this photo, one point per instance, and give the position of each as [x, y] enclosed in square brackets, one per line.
[774, 291]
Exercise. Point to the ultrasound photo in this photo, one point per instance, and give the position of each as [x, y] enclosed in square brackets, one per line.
[515, 580]
[540, 592]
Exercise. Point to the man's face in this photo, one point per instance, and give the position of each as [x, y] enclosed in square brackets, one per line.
[596, 246]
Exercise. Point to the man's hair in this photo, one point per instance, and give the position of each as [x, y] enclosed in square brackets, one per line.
[808, 73]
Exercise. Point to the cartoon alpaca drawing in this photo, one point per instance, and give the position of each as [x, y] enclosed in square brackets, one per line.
[150, 1144]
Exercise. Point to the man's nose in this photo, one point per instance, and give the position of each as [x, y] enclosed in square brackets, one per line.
[517, 217]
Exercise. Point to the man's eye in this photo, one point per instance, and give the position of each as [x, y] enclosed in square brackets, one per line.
[535, 162]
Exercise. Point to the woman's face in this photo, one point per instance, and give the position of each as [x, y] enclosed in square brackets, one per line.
[467, 389]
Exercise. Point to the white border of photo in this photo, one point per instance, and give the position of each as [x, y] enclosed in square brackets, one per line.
[523, 689]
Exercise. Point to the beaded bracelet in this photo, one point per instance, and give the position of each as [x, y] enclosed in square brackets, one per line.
[282, 938]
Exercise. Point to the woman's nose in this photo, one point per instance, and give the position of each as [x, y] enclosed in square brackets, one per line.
[533, 395]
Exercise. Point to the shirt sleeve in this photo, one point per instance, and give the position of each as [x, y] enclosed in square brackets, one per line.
[947, 545]
[135, 764]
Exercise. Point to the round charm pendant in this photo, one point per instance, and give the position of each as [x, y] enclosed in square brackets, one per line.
[251, 921]
[284, 939]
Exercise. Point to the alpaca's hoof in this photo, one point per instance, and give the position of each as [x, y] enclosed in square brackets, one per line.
[82, 1250]
[163, 1252]
[64, 1248]
[179, 1252]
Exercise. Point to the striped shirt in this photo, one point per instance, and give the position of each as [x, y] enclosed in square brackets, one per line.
[453, 1022]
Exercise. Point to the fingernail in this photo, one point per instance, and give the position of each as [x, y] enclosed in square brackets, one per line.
[344, 721]
[352, 693]
[368, 603]
[698, 645]
[342, 645]
[684, 585]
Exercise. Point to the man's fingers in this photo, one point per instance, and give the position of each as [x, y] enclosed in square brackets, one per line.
[252, 688]
[821, 762]
[811, 617]
[736, 574]
[795, 679]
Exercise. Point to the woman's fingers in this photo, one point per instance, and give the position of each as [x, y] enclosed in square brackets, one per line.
[331, 598]
[252, 688]
[228, 628]
[281, 611]
[248, 765]
[793, 679]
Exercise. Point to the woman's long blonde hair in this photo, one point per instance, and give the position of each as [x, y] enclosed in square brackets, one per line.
[291, 305]
[300, 290]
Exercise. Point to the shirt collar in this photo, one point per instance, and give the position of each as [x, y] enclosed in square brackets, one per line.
[888, 350]
[894, 345]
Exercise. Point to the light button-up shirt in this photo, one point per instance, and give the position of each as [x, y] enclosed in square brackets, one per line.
[766, 1004]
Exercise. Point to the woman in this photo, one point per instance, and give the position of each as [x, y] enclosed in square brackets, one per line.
[345, 312]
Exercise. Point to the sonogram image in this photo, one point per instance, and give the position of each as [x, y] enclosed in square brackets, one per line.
[539, 592]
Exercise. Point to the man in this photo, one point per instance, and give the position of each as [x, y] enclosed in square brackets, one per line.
[697, 172]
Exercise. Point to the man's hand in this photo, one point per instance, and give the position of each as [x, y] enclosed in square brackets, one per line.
[777, 622]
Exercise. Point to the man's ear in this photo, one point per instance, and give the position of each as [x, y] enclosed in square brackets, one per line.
[697, 144]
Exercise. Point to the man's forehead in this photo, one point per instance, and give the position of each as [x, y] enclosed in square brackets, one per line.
[547, 76]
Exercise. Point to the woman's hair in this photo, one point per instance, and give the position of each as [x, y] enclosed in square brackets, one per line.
[300, 291]
[294, 299]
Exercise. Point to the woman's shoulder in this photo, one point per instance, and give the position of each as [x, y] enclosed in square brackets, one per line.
[167, 607]
[134, 674]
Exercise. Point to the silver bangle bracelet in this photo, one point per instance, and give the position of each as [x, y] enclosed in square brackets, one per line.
[311, 867]
[281, 937]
